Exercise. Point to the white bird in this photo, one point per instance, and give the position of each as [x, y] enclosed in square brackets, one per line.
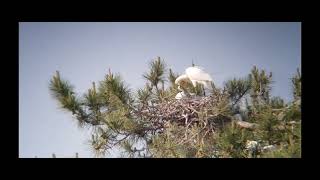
[196, 75]
[252, 145]
[182, 94]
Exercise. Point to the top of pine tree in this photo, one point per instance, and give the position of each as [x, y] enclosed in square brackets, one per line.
[150, 122]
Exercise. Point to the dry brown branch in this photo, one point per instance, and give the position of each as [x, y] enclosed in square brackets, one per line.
[203, 111]
[247, 125]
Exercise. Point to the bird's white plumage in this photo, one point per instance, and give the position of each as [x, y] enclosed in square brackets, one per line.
[198, 75]
[195, 75]
[181, 95]
[181, 78]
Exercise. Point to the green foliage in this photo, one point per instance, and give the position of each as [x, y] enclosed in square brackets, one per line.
[296, 83]
[231, 141]
[172, 78]
[117, 120]
[193, 143]
[113, 85]
[156, 73]
[292, 113]
[144, 95]
[277, 102]
[64, 93]
[260, 86]
[268, 126]
[198, 90]
[237, 88]
[293, 151]
[166, 144]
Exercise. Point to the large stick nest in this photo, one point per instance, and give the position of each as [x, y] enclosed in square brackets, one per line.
[211, 111]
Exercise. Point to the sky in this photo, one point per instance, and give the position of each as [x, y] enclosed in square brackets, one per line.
[83, 53]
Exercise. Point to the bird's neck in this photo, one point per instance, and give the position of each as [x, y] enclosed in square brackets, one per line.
[185, 92]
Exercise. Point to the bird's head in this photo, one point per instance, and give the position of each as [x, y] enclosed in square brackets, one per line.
[182, 81]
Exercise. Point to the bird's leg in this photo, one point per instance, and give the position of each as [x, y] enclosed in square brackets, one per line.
[185, 91]
[204, 92]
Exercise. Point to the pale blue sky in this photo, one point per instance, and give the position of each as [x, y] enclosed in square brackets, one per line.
[83, 52]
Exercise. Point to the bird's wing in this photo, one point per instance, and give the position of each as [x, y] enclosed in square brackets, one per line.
[198, 74]
[183, 77]
[206, 84]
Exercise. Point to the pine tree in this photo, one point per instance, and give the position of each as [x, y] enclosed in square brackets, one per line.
[150, 122]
